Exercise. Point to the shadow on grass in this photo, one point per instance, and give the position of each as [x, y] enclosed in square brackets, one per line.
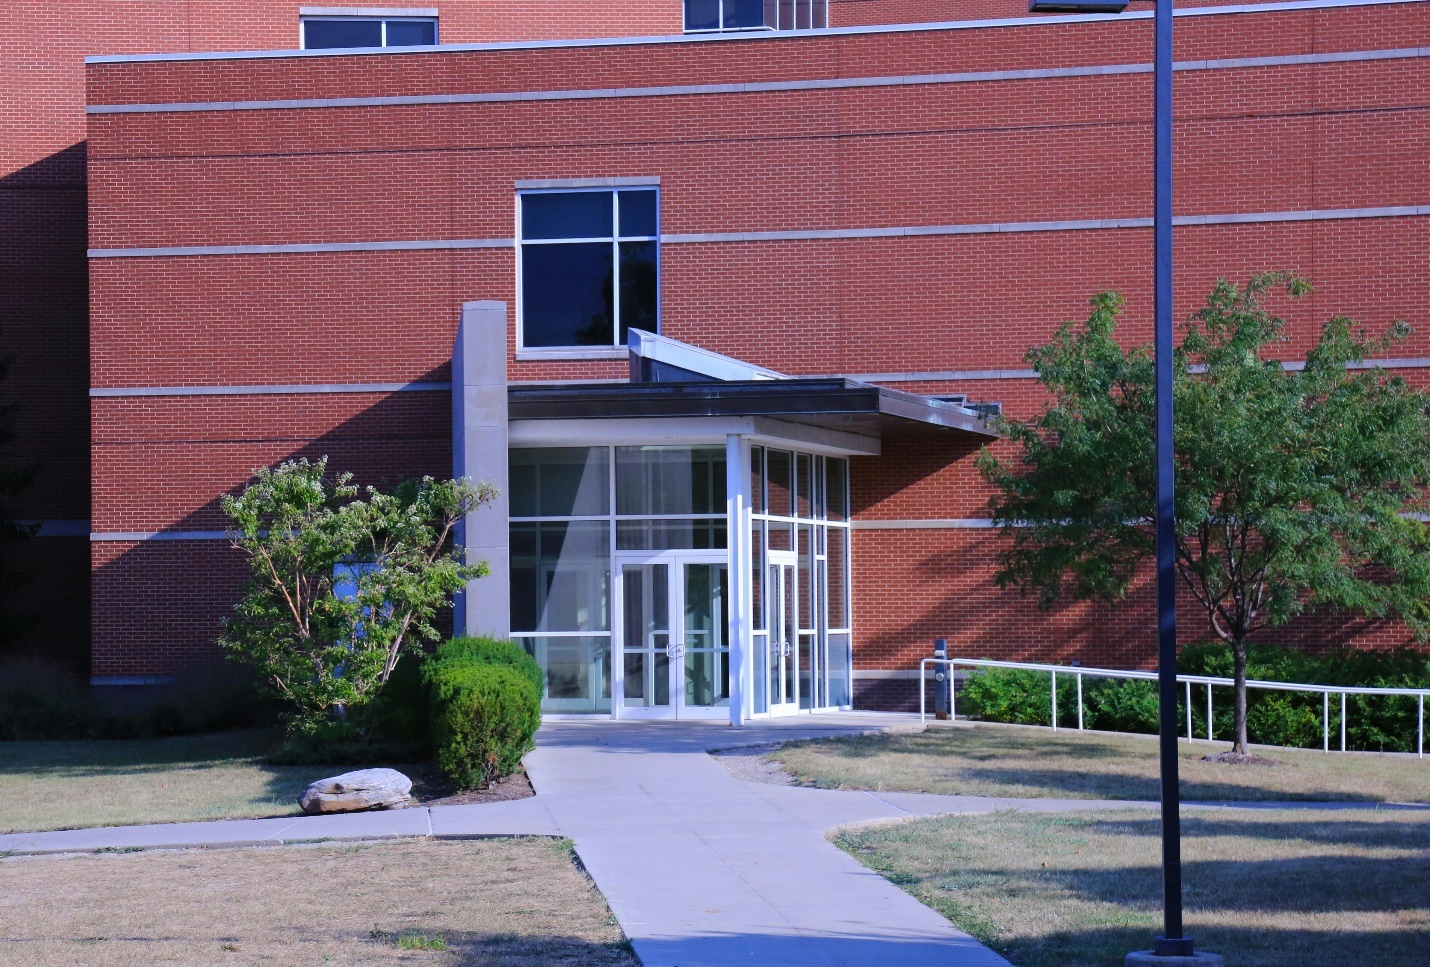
[1122, 786]
[511, 950]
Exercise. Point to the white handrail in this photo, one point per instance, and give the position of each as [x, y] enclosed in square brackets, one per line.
[1326, 691]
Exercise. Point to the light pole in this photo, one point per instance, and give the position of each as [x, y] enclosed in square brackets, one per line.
[1173, 946]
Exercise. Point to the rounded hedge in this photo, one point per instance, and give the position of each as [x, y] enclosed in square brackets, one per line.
[472, 649]
[484, 719]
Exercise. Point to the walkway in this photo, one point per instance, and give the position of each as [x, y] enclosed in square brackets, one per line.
[699, 867]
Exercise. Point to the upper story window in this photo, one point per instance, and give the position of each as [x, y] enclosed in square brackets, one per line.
[721, 15]
[588, 266]
[328, 32]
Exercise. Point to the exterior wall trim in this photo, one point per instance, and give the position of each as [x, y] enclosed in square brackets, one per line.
[947, 523]
[57, 528]
[686, 90]
[138, 536]
[953, 376]
[292, 389]
[907, 231]
[756, 36]
[367, 11]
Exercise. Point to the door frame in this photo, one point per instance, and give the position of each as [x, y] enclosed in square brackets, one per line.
[676, 560]
[783, 601]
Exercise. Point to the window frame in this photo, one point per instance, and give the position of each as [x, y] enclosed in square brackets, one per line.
[615, 347]
[382, 18]
[794, 5]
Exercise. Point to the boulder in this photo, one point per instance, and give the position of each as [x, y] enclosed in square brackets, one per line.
[356, 791]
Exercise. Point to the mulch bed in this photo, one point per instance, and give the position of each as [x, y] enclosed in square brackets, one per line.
[1240, 759]
[432, 788]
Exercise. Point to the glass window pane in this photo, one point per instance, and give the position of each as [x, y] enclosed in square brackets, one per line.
[640, 288]
[670, 480]
[836, 488]
[780, 502]
[567, 214]
[757, 575]
[567, 295]
[702, 14]
[839, 690]
[578, 672]
[669, 535]
[757, 479]
[838, 577]
[560, 482]
[560, 576]
[803, 478]
[780, 536]
[820, 16]
[638, 210]
[807, 589]
[411, 33]
[744, 13]
[332, 34]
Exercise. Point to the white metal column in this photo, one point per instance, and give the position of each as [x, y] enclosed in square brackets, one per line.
[737, 503]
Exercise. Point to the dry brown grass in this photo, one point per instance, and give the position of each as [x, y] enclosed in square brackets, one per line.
[1312, 888]
[72, 785]
[515, 902]
[1031, 762]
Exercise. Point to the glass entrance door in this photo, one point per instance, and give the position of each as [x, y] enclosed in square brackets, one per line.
[674, 637]
[784, 636]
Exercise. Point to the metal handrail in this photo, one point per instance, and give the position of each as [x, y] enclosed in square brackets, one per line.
[1079, 672]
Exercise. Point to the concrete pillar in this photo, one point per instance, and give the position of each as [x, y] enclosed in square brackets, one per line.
[479, 451]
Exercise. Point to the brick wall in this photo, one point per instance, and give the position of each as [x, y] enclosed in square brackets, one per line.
[1264, 139]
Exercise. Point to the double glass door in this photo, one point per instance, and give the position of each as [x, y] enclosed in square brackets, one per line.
[673, 636]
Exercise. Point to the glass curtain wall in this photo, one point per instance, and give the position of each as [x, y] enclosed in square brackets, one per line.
[572, 510]
[799, 578]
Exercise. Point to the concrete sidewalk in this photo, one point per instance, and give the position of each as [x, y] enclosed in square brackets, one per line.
[700, 868]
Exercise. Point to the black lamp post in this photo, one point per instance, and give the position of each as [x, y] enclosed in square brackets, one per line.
[1174, 943]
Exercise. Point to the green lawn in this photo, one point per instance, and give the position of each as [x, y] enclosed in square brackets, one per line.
[1280, 888]
[71, 785]
[1032, 762]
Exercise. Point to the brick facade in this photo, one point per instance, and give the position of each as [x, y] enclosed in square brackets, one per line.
[1344, 135]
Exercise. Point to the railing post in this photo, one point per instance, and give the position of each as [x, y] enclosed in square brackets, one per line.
[1079, 701]
[1189, 713]
[1326, 721]
[1343, 721]
[1055, 701]
[923, 687]
[1420, 741]
[1209, 713]
[952, 694]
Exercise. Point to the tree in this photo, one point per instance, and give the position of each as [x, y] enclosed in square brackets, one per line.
[1296, 487]
[14, 480]
[340, 584]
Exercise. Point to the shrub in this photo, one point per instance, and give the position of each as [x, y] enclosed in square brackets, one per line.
[491, 651]
[484, 719]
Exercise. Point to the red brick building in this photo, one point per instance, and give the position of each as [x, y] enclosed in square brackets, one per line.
[285, 249]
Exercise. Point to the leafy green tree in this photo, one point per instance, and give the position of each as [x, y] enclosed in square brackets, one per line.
[14, 480]
[1297, 487]
[340, 582]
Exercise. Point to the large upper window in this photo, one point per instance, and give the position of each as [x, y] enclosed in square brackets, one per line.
[588, 266]
[328, 33]
[718, 15]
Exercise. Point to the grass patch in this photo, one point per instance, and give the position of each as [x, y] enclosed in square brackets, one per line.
[1031, 762]
[513, 902]
[73, 785]
[1266, 889]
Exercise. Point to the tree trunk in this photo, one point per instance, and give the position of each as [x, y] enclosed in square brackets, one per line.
[1238, 651]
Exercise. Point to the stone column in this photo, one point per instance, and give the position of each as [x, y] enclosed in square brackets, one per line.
[479, 451]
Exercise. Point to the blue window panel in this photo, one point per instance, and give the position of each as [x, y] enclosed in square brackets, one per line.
[568, 294]
[702, 14]
[570, 214]
[411, 33]
[638, 213]
[640, 288]
[741, 14]
[331, 34]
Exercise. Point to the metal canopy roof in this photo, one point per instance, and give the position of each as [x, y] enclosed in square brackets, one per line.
[829, 402]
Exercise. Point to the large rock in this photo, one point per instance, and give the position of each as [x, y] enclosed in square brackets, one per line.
[355, 791]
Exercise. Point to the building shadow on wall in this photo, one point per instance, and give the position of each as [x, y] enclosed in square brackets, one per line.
[158, 602]
[44, 326]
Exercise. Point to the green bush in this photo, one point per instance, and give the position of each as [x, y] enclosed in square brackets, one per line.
[468, 650]
[39, 702]
[1376, 723]
[484, 719]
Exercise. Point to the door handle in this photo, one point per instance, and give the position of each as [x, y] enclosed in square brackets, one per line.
[675, 650]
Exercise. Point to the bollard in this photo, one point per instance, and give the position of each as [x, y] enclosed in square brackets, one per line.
[942, 682]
